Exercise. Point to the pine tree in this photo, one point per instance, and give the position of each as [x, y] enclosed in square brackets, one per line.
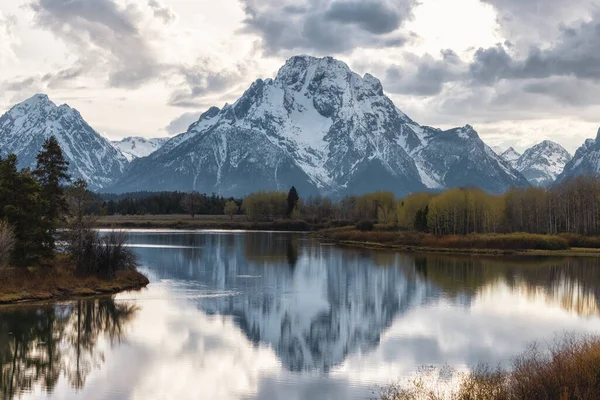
[292, 201]
[21, 206]
[51, 172]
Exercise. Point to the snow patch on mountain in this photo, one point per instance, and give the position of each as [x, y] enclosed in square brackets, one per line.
[137, 147]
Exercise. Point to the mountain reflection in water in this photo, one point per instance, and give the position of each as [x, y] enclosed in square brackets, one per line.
[285, 314]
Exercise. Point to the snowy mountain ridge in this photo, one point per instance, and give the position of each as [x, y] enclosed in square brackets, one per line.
[324, 129]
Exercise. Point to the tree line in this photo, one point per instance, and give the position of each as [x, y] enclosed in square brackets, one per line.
[569, 207]
[160, 203]
[35, 203]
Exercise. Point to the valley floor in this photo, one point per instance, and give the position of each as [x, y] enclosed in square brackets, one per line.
[57, 281]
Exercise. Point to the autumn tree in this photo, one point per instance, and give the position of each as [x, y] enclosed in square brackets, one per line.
[231, 208]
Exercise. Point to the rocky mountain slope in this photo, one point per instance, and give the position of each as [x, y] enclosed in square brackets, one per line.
[586, 160]
[137, 147]
[543, 163]
[325, 129]
[25, 126]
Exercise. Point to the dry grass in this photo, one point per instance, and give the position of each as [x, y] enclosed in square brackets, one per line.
[58, 280]
[579, 241]
[568, 368]
[512, 241]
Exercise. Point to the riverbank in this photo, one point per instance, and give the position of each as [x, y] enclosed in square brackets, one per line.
[520, 244]
[59, 282]
[186, 222]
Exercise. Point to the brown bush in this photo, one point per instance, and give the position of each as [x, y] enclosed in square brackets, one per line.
[569, 368]
[579, 241]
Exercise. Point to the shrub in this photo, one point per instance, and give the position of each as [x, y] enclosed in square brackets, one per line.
[7, 242]
[566, 369]
[588, 242]
[101, 255]
[365, 225]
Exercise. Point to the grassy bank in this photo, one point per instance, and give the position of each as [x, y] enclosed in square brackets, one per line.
[200, 222]
[58, 281]
[513, 243]
[568, 368]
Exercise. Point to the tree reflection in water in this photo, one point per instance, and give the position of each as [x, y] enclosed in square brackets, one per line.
[39, 344]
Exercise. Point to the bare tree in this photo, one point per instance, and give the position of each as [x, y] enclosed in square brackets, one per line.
[192, 203]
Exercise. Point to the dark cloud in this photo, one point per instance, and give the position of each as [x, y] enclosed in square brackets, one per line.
[182, 123]
[574, 53]
[326, 26]
[490, 64]
[201, 80]
[424, 76]
[371, 16]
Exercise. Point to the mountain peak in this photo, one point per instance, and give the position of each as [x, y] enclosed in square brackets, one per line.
[26, 125]
[324, 129]
[543, 163]
[511, 155]
[37, 100]
[304, 71]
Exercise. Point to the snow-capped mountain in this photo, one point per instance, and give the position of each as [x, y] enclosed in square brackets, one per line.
[25, 126]
[137, 147]
[511, 156]
[543, 163]
[459, 158]
[586, 160]
[325, 129]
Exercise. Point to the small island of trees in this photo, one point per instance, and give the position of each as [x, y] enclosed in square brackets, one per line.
[48, 248]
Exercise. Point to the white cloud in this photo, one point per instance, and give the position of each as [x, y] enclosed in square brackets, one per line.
[8, 39]
[132, 65]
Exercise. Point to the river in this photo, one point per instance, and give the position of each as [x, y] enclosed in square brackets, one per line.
[241, 315]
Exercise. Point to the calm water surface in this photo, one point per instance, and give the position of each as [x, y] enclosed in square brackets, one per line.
[279, 316]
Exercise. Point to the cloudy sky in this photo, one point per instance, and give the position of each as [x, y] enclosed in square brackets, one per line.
[519, 71]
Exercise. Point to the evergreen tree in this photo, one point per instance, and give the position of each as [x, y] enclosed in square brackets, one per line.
[21, 206]
[292, 201]
[51, 172]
